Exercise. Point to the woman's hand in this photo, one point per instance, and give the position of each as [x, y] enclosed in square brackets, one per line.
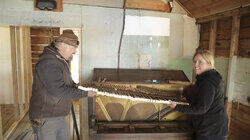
[172, 104]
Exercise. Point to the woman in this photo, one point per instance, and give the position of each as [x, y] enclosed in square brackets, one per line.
[206, 107]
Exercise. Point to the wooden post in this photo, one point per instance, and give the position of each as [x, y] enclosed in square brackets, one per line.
[25, 68]
[1, 126]
[212, 39]
[235, 35]
[84, 119]
[19, 72]
[27, 64]
[232, 63]
[14, 72]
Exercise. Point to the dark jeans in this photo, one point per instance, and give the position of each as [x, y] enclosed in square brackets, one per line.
[198, 137]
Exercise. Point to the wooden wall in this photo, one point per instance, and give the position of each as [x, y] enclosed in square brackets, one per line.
[202, 8]
[204, 35]
[244, 37]
[223, 36]
[41, 37]
[240, 122]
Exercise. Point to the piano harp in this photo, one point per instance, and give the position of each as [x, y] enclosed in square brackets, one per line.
[135, 105]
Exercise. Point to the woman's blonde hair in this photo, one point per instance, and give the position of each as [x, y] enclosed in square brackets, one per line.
[207, 56]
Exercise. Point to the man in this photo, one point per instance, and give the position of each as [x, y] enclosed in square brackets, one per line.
[53, 89]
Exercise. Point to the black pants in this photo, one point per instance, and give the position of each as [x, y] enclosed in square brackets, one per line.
[198, 137]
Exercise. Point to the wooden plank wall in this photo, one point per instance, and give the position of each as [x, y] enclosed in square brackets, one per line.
[205, 35]
[244, 39]
[41, 37]
[223, 36]
[202, 8]
[240, 122]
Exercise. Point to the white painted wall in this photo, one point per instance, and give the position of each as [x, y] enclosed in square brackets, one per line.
[221, 65]
[101, 28]
[242, 81]
[6, 82]
[191, 36]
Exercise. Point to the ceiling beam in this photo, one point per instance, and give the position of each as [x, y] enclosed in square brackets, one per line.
[238, 11]
[154, 5]
[189, 14]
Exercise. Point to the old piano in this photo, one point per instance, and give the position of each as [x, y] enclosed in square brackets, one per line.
[145, 114]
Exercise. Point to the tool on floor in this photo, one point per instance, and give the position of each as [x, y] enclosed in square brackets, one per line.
[75, 123]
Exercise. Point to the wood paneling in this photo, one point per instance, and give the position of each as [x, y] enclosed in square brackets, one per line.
[244, 37]
[38, 48]
[223, 45]
[41, 37]
[204, 35]
[223, 36]
[205, 27]
[245, 21]
[240, 122]
[238, 11]
[148, 5]
[40, 40]
[204, 45]
[46, 32]
[202, 8]
[212, 37]
[245, 33]
[225, 24]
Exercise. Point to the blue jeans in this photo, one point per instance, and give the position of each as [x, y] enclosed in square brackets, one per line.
[53, 129]
[199, 137]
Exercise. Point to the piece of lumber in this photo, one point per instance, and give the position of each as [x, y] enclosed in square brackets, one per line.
[212, 38]
[234, 35]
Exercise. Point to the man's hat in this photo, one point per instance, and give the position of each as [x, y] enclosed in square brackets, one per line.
[69, 38]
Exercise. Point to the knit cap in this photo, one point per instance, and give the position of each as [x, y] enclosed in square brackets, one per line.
[69, 38]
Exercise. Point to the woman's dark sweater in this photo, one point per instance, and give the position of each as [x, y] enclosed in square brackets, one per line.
[206, 107]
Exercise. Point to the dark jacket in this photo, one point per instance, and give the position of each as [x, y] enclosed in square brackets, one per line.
[206, 107]
[53, 88]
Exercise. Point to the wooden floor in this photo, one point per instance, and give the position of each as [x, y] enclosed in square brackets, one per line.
[23, 130]
[8, 119]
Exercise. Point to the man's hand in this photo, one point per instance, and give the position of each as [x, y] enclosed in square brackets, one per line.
[76, 85]
[91, 93]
